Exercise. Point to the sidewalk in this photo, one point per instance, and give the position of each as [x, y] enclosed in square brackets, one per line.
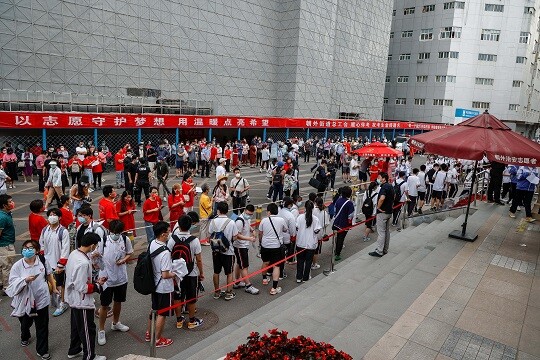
[430, 297]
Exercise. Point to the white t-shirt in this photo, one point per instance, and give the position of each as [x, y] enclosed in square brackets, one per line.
[422, 179]
[290, 221]
[39, 287]
[162, 262]
[307, 237]
[265, 155]
[269, 239]
[440, 179]
[244, 228]
[403, 188]
[324, 220]
[230, 230]
[452, 176]
[54, 248]
[413, 183]
[194, 246]
[354, 167]
[239, 186]
[220, 171]
[115, 250]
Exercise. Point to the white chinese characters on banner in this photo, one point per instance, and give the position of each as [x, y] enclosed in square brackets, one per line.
[75, 121]
[22, 120]
[119, 121]
[50, 121]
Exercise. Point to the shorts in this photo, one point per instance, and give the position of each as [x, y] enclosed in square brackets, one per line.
[162, 301]
[272, 255]
[242, 258]
[437, 194]
[354, 178]
[176, 294]
[362, 176]
[222, 261]
[188, 288]
[179, 164]
[60, 279]
[345, 170]
[422, 195]
[116, 293]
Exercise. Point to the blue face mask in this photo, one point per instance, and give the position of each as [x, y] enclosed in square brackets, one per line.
[193, 228]
[247, 217]
[28, 253]
[81, 219]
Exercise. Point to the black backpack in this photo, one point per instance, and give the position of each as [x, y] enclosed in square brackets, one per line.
[182, 250]
[397, 191]
[218, 240]
[143, 276]
[367, 206]
[276, 179]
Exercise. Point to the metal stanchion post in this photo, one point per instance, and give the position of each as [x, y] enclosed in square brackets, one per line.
[332, 261]
[404, 218]
[258, 213]
[153, 333]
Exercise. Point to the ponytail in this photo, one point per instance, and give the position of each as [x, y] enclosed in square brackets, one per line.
[309, 213]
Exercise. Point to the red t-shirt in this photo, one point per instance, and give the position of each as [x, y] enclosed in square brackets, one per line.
[67, 217]
[177, 211]
[119, 161]
[186, 190]
[87, 162]
[127, 219]
[213, 153]
[36, 223]
[150, 204]
[373, 172]
[107, 211]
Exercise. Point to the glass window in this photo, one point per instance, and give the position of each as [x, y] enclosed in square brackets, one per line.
[401, 101]
[392, 35]
[428, 8]
[422, 78]
[524, 37]
[420, 102]
[426, 34]
[402, 79]
[521, 60]
[450, 32]
[454, 5]
[405, 57]
[445, 78]
[424, 56]
[408, 11]
[487, 57]
[517, 83]
[513, 107]
[389, 57]
[480, 105]
[406, 34]
[448, 54]
[490, 35]
[387, 80]
[529, 10]
[494, 7]
[484, 81]
[385, 101]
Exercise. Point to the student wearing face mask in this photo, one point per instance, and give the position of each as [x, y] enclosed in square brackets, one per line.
[152, 213]
[239, 192]
[28, 280]
[79, 290]
[241, 245]
[54, 183]
[220, 192]
[289, 238]
[97, 170]
[54, 242]
[115, 252]
[87, 168]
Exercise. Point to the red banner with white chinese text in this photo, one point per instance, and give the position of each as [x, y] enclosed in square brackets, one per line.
[64, 120]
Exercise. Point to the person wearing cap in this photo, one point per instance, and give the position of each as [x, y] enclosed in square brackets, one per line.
[162, 174]
[220, 170]
[53, 183]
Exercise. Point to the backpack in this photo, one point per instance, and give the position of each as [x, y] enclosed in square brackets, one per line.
[75, 167]
[182, 250]
[143, 276]
[276, 179]
[218, 240]
[124, 237]
[397, 191]
[367, 206]
[60, 231]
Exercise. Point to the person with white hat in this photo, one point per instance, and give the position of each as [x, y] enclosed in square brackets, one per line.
[220, 170]
[53, 183]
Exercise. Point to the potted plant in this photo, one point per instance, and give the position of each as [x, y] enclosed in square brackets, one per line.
[278, 346]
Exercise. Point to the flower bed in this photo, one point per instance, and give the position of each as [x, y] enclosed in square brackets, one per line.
[278, 346]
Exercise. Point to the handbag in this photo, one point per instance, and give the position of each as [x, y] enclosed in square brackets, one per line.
[314, 182]
[20, 164]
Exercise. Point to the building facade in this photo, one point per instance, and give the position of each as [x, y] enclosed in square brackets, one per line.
[449, 60]
[292, 58]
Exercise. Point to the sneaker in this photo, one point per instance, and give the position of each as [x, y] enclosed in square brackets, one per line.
[100, 357]
[266, 281]
[119, 327]
[230, 295]
[376, 254]
[337, 258]
[101, 339]
[24, 343]
[195, 323]
[519, 208]
[298, 281]
[219, 294]
[147, 336]
[512, 215]
[239, 285]
[46, 356]
[366, 238]
[275, 291]
[81, 353]
[283, 277]
[180, 322]
[163, 342]
[252, 290]
[164, 199]
[315, 266]
[530, 219]
[62, 309]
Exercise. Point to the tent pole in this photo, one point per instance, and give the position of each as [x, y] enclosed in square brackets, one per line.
[462, 235]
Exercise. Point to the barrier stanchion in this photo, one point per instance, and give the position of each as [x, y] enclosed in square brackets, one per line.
[153, 333]
[332, 259]
[258, 213]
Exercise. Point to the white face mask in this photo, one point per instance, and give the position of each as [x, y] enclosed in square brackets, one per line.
[237, 176]
[53, 219]
[115, 237]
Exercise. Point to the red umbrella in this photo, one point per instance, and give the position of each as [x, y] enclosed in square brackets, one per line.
[482, 135]
[377, 150]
